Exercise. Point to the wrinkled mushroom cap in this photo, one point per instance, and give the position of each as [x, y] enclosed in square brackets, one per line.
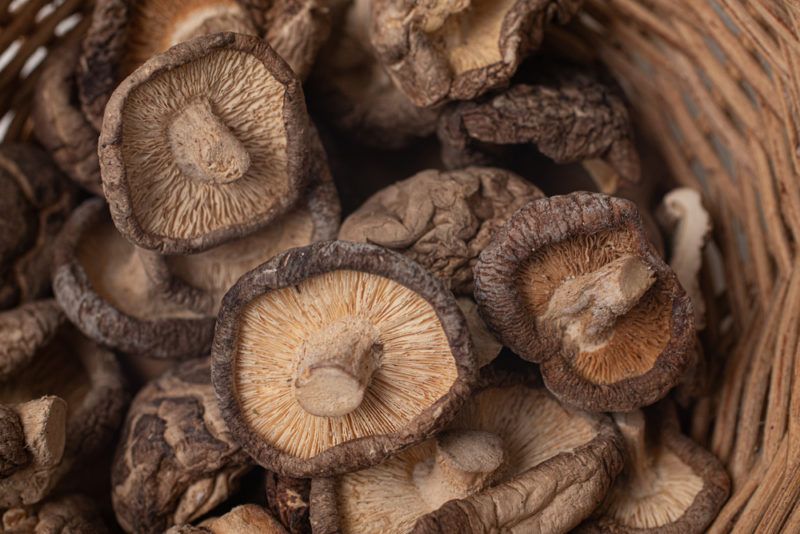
[458, 49]
[223, 125]
[630, 339]
[359, 335]
[64, 514]
[551, 455]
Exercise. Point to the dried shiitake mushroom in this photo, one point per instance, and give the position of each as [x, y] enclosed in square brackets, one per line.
[205, 143]
[288, 500]
[669, 485]
[439, 50]
[333, 356]
[568, 114]
[352, 90]
[35, 200]
[244, 519]
[572, 283]
[513, 460]
[126, 33]
[441, 220]
[484, 344]
[67, 514]
[23, 331]
[60, 125]
[55, 413]
[176, 459]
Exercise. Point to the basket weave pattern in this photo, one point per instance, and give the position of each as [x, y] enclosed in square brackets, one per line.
[716, 84]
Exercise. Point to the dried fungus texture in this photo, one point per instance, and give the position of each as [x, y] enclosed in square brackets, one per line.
[567, 113]
[176, 459]
[557, 465]
[68, 514]
[205, 143]
[331, 357]
[59, 124]
[69, 399]
[441, 220]
[23, 330]
[288, 500]
[572, 283]
[102, 284]
[244, 519]
[437, 51]
[670, 484]
[35, 200]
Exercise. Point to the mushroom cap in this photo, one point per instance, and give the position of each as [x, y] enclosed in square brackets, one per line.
[458, 49]
[103, 288]
[682, 490]
[60, 125]
[244, 519]
[553, 240]
[553, 455]
[442, 220]
[424, 371]
[176, 459]
[67, 513]
[223, 124]
[23, 331]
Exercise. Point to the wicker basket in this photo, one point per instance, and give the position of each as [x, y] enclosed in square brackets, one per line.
[716, 85]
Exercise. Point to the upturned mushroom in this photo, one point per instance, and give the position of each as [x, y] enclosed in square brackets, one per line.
[513, 460]
[60, 125]
[459, 49]
[55, 412]
[244, 519]
[35, 200]
[571, 282]
[441, 220]
[125, 33]
[331, 357]
[288, 500]
[66, 514]
[176, 459]
[567, 113]
[669, 485]
[205, 143]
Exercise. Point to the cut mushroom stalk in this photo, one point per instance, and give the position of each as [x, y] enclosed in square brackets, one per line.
[466, 461]
[335, 367]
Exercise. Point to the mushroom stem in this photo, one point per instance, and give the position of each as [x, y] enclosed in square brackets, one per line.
[166, 284]
[335, 367]
[465, 463]
[204, 148]
[586, 307]
[44, 423]
[632, 426]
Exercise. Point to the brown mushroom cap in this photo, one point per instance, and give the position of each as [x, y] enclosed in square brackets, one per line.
[513, 459]
[23, 331]
[568, 113]
[71, 513]
[362, 337]
[671, 485]
[35, 200]
[244, 519]
[60, 125]
[441, 220]
[572, 283]
[223, 124]
[176, 459]
[69, 400]
[458, 49]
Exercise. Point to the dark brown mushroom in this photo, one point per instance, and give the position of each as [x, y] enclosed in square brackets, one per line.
[288, 500]
[60, 125]
[205, 143]
[176, 459]
[567, 113]
[572, 283]
[670, 485]
[23, 331]
[441, 220]
[68, 401]
[126, 33]
[513, 460]
[35, 200]
[458, 49]
[66, 514]
[244, 519]
[333, 356]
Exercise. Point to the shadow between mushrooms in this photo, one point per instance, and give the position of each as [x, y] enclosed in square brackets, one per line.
[670, 485]
[572, 283]
[288, 500]
[66, 514]
[513, 460]
[333, 356]
[205, 143]
[176, 459]
[125, 33]
[458, 49]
